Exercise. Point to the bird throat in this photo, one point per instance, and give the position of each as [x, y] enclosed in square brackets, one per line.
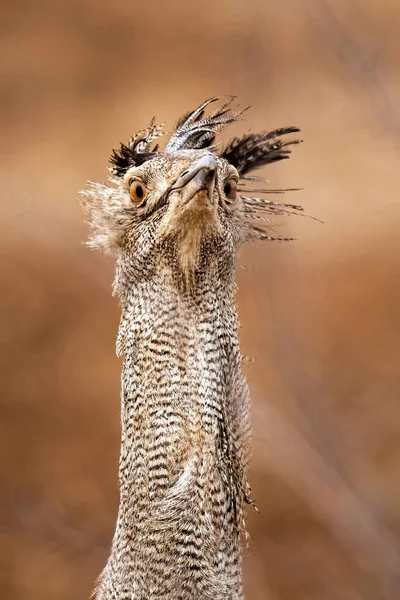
[188, 225]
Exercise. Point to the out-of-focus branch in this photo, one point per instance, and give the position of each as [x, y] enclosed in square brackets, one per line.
[295, 460]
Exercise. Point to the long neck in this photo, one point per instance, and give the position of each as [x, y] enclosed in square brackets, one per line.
[183, 455]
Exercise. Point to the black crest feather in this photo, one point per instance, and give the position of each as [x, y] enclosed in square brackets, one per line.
[258, 149]
[137, 150]
[197, 131]
[125, 158]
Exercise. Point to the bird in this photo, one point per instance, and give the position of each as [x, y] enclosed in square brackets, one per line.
[174, 218]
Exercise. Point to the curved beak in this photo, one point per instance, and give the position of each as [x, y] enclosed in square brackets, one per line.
[200, 176]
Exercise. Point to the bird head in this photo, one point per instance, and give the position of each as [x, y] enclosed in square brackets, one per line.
[181, 209]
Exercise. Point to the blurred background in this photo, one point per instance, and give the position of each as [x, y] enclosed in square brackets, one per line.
[320, 316]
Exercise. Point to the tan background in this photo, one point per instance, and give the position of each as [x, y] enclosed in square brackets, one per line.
[320, 315]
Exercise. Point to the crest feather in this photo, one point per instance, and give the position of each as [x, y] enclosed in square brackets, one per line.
[137, 150]
[195, 132]
[258, 149]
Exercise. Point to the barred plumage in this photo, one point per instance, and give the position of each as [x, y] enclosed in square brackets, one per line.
[175, 225]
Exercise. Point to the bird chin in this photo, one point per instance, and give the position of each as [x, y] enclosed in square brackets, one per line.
[189, 221]
[198, 200]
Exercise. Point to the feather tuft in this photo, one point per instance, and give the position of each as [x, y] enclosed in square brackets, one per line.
[255, 150]
[137, 150]
[195, 131]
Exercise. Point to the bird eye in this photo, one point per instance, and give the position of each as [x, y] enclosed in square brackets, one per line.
[137, 191]
[230, 188]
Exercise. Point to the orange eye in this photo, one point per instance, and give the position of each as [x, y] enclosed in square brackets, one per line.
[137, 191]
[230, 188]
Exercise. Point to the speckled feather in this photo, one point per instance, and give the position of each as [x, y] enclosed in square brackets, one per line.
[184, 399]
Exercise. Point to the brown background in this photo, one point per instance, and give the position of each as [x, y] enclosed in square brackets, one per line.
[320, 315]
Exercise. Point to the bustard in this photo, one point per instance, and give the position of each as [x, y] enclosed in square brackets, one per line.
[174, 219]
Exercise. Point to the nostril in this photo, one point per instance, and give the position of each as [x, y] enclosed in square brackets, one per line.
[184, 173]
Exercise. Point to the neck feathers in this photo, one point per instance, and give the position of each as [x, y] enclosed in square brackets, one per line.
[184, 439]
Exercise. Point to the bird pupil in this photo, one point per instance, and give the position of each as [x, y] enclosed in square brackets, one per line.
[139, 191]
[227, 188]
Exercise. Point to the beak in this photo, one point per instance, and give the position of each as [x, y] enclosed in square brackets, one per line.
[200, 176]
